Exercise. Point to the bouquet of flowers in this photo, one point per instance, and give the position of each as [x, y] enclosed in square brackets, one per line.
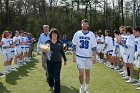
[45, 48]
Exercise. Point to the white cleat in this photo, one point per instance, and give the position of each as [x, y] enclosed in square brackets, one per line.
[126, 77]
[138, 88]
[86, 90]
[137, 84]
[130, 81]
[81, 90]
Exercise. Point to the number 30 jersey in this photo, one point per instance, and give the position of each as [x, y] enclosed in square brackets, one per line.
[84, 43]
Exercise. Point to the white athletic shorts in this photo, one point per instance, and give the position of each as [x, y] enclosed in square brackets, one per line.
[128, 58]
[7, 56]
[26, 49]
[137, 60]
[12, 53]
[22, 48]
[100, 49]
[116, 53]
[84, 63]
[18, 50]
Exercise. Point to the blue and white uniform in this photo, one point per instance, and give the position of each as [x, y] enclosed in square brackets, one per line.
[27, 45]
[84, 43]
[123, 41]
[129, 49]
[116, 49]
[6, 51]
[137, 52]
[12, 50]
[17, 45]
[109, 45]
[100, 47]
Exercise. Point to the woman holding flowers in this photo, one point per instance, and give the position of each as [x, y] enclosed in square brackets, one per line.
[54, 52]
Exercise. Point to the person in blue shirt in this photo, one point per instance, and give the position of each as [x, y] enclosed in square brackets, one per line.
[42, 39]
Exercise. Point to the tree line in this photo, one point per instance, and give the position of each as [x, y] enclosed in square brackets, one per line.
[65, 15]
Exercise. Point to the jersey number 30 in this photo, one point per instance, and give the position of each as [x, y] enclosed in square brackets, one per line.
[84, 44]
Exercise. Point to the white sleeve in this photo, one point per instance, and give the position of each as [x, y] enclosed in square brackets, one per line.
[74, 40]
[130, 41]
[14, 39]
[93, 40]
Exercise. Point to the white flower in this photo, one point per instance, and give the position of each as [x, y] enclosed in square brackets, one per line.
[45, 48]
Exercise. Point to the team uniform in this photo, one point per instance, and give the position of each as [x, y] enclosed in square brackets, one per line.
[129, 49]
[100, 47]
[6, 51]
[84, 43]
[116, 48]
[27, 46]
[109, 45]
[24, 48]
[137, 52]
[123, 41]
[17, 45]
[12, 50]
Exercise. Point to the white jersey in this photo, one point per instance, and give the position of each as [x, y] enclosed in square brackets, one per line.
[84, 43]
[109, 43]
[23, 40]
[11, 43]
[5, 43]
[101, 39]
[137, 45]
[16, 39]
[123, 41]
[130, 44]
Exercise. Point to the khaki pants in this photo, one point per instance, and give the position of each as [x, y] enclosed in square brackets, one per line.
[44, 65]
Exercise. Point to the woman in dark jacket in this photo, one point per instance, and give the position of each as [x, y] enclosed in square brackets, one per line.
[54, 60]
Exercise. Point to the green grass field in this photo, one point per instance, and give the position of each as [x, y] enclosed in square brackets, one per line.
[31, 79]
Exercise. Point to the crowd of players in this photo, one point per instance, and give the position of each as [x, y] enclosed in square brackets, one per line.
[17, 49]
[122, 51]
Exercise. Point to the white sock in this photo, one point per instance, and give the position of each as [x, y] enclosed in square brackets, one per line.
[5, 68]
[82, 85]
[86, 86]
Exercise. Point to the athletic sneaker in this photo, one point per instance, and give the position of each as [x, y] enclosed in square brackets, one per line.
[138, 88]
[86, 90]
[117, 68]
[137, 84]
[2, 75]
[82, 90]
[130, 80]
[122, 73]
[121, 70]
[126, 77]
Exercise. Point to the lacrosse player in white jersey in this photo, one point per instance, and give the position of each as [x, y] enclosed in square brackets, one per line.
[84, 47]
[26, 47]
[137, 53]
[100, 45]
[6, 51]
[129, 49]
[109, 48]
[116, 50]
[12, 51]
[16, 40]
